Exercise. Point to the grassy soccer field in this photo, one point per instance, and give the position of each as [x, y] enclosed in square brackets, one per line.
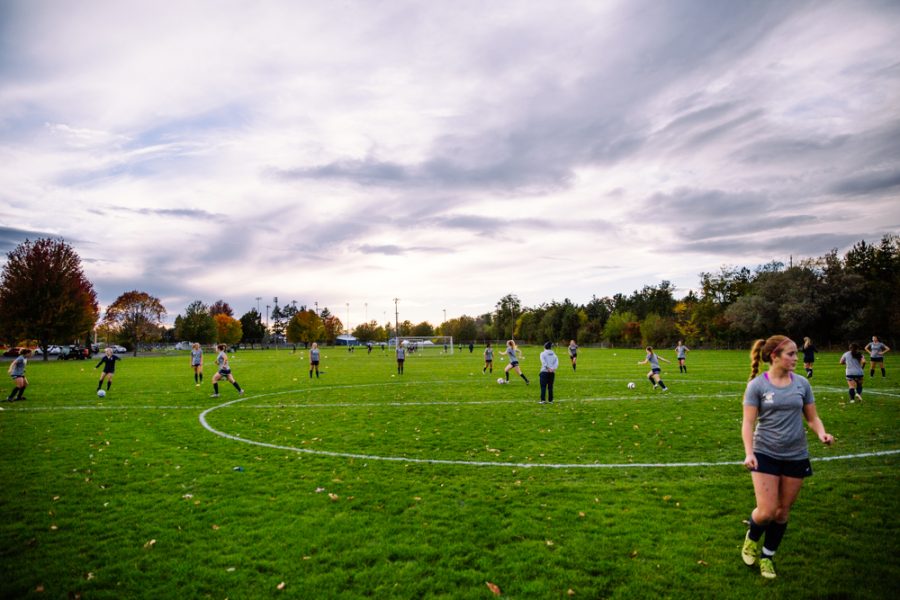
[429, 485]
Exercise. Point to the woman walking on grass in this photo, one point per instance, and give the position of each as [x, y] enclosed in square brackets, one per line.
[224, 372]
[17, 372]
[573, 353]
[681, 354]
[654, 375]
[776, 452]
[809, 356]
[854, 363]
[513, 352]
[488, 359]
[197, 363]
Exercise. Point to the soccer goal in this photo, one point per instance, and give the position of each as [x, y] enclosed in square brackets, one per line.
[435, 344]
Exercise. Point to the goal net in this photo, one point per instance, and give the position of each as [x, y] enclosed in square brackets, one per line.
[435, 344]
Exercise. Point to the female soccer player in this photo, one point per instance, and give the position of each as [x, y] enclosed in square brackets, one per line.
[549, 365]
[573, 353]
[224, 371]
[855, 363]
[809, 356]
[197, 363]
[17, 372]
[653, 358]
[401, 357]
[513, 352]
[109, 368]
[776, 452]
[488, 359]
[681, 353]
[876, 352]
[314, 360]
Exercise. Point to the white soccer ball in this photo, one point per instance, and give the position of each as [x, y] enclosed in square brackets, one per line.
[501, 381]
[101, 393]
[630, 385]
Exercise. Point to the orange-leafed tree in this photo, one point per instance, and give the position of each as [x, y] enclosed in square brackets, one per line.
[136, 316]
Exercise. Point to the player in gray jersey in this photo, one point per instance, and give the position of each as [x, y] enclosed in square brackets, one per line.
[681, 354]
[488, 359]
[573, 353]
[197, 363]
[854, 363]
[224, 372]
[17, 372]
[314, 360]
[513, 352]
[876, 350]
[401, 357]
[775, 404]
[654, 375]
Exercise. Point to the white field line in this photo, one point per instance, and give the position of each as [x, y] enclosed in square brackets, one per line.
[435, 461]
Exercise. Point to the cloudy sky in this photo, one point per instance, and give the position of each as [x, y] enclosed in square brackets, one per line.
[445, 153]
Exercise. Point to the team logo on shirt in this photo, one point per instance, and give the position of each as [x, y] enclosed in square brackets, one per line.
[769, 397]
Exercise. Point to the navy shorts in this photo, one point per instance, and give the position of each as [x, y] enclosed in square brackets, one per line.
[856, 378]
[514, 363]
[656, 371]
[798, 469]
[877, 359]
[314, 363]
[224, 372]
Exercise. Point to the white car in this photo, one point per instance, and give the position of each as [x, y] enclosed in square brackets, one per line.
[118, 349]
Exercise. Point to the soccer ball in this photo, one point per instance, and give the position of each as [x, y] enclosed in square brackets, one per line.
[630, 385]
[101, 393]
[501, 381]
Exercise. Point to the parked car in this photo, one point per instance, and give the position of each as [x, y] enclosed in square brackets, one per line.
[74, 352]
[118, 349]
[12, 352]
[183, 345]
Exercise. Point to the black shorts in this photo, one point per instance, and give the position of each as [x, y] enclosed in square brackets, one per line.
[514, 363]
[314, 363]
[798, 469]
[489, 361]
[224, 372]
[877, 359]
[856, 378]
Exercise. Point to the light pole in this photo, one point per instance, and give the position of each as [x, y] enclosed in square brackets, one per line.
[366, 312]
[348, 318]
[396, 322]
[267, 322]
[317, 307]
[258, 298]
[445, 315]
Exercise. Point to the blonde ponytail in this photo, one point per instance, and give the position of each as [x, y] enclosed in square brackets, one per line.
[755, 355]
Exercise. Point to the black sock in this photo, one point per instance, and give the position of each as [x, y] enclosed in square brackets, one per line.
[21, 392]
[883, 374]
[662, 385]
[774, 533]
[872, 373]
[756, 530]
[99, 384]
[14, 391]
[525, 378]
[216, 388]
[108, 385]
[859, 387]
[852, 393]
[236, 385]
[201, 377]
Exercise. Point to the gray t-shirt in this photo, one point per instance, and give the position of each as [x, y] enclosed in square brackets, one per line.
[779, 425]
[18, 367]
[854, 367]
[653, 359]
[489, 354]
[196, 357]
[876, 350]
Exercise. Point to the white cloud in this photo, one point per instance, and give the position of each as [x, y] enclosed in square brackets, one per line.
[447, 153]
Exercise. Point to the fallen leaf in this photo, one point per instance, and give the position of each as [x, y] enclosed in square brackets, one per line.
[703, 562]
[215, 527]
[150, 544]
[334, 497]
[230, 569]
[581, 514]
[40, 588]
[571, 592]
[549, 542]
[634, 553]
[280, 586]
[493, 587]
[319, 490]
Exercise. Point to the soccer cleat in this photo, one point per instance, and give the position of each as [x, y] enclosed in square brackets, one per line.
[767, 568]
[542, 402]
[213, 395]
[241, 393]
[750, 551]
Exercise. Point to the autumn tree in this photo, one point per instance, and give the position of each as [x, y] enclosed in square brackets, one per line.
[197, 324]
[220, 307]
[228, 329]
[136, 316]
[45, 296]
[333, 327]
[305, 327]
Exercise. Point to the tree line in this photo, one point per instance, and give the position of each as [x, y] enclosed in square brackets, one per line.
[45, 298]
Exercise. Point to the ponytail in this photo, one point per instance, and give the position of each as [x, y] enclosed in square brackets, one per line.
[755, 355]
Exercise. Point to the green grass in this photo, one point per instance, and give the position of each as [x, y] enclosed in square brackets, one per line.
[131, 497]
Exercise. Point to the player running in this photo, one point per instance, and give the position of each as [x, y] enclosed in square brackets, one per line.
[109, 368]
[488, 359]
[573, 353]
[513, 352]
[17, 372]
[653, 359]
[224, 372]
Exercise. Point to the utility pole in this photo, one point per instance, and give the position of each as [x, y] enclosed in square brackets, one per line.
[397, 320]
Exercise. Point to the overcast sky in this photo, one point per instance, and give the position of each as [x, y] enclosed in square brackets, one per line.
[445, 153]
